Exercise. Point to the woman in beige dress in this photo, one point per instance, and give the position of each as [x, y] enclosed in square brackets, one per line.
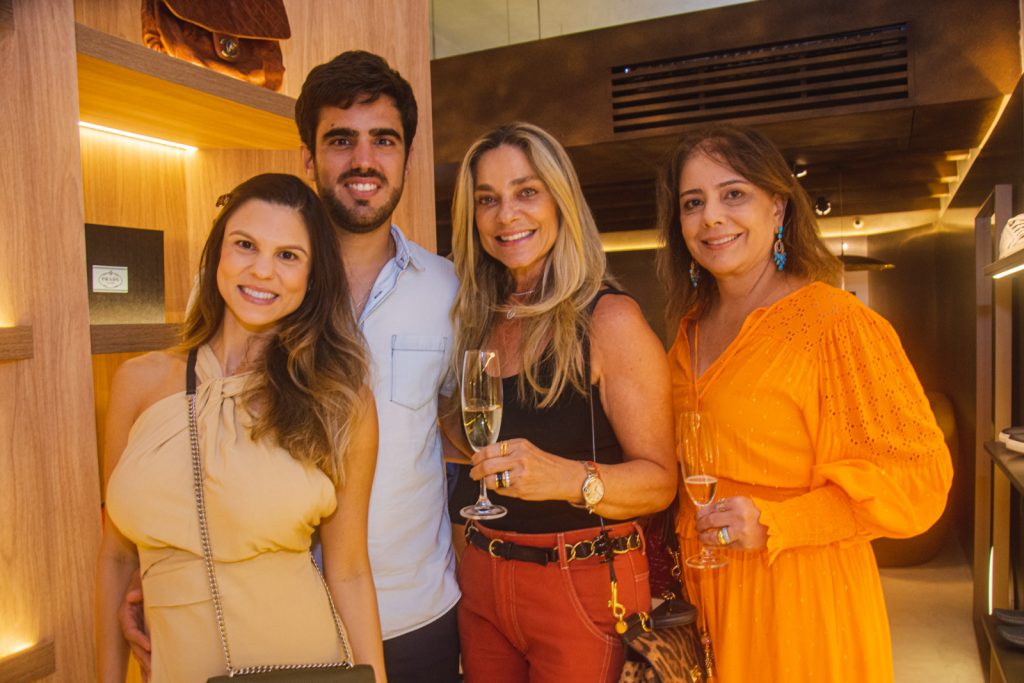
[288, 440]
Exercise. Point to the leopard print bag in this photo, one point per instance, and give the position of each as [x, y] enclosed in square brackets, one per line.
[664, 646]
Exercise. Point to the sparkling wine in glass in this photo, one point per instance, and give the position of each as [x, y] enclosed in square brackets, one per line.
[481, 418]
[698, 456]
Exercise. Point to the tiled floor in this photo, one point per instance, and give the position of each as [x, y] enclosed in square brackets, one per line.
[930, 616]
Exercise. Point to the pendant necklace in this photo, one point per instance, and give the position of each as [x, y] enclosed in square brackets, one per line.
[511, 313]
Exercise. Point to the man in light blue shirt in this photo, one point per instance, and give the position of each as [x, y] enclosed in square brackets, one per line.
[357, 120]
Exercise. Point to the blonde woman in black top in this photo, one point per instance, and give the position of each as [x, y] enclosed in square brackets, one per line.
[534, 287]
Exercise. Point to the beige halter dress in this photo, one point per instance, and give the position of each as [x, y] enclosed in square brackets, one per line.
[262, 507]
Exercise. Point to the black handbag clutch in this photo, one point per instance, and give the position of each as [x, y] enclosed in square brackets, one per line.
[360, 673]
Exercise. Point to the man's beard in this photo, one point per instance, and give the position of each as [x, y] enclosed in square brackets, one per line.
[352, 220]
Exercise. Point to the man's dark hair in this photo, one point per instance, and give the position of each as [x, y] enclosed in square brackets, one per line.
[353, 77]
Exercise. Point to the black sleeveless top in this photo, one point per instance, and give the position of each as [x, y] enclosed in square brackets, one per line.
[562, 429]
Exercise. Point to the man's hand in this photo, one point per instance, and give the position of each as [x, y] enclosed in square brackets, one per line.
[133, 624]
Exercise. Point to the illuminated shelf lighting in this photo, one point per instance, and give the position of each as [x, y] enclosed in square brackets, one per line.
[991, 561]
[1008, 271]
[136, 136]
[31, 663]
[14, 648]
[1008, 265]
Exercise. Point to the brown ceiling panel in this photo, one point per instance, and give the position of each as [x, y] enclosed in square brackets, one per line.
[958, 50]
[869, 95]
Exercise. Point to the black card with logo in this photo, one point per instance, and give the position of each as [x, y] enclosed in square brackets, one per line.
[125, 272]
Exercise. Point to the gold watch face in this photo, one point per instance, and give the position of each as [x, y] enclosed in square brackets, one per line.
[593, 490]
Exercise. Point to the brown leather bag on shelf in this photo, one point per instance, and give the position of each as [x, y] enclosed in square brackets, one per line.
[238, 38]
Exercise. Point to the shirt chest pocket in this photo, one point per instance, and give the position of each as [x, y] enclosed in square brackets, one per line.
[417, 365]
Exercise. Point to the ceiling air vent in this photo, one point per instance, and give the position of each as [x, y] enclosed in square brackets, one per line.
[869, 65]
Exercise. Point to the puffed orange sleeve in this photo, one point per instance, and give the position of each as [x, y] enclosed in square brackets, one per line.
[881, 465]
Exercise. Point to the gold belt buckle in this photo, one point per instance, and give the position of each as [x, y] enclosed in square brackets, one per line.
[491, 546]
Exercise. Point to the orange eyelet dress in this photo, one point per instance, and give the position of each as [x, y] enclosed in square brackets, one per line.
[824, 424]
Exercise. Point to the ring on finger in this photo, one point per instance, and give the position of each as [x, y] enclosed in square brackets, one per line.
[503, 449]
[720, 506]
[503, 479]
[723, 536]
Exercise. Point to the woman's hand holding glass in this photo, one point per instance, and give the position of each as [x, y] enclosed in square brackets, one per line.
[698, 457]
[481, 418]
[739, 516]
[533, 474]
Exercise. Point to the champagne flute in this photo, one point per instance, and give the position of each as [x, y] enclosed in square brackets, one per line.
[698, 456]
[481, 418]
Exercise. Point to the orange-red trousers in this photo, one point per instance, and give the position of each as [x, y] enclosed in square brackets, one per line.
[523, 622]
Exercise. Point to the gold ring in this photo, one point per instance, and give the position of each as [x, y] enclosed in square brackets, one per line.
[506, 479]
[723, 536]
[720, 506]
[503, 449]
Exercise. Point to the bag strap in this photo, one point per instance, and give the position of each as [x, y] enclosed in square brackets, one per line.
[204, 539]
[603, 545]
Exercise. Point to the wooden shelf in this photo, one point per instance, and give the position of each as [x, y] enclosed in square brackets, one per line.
[28, 665]
[1012, 261]
[1009, 659]
[127, 86]
[6, 16]
[132, 338]
[15, 343]
[1010, 462]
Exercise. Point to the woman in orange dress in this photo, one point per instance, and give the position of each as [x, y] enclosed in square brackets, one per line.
[826, 439]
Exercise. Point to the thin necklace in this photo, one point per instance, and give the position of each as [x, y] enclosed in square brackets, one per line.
[511, 313]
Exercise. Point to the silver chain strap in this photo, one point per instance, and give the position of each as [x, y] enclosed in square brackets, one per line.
[204, 538]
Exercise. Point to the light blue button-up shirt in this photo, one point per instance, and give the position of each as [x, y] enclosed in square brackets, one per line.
[409, 334]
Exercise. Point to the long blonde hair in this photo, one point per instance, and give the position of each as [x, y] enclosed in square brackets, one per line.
[313, 367]
[555, 318]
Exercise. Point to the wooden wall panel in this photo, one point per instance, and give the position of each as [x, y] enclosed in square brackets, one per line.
[49, 484]
[141, 185]
[213, 172]
[103, 368]
[121, 18]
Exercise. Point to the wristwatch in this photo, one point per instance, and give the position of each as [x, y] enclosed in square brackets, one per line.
[593, 486]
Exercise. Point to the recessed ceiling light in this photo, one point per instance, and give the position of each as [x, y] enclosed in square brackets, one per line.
[822, 206]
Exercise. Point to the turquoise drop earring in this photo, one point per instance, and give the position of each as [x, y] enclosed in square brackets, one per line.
[779, 254]
[694, 273]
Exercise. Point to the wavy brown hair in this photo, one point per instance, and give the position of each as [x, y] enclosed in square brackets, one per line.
[353, 77]
[307, 385]
[555, 318]
[754, 157]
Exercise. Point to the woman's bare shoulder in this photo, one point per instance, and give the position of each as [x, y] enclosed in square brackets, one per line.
[622, 337]
[142, 381]
[618, 315]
